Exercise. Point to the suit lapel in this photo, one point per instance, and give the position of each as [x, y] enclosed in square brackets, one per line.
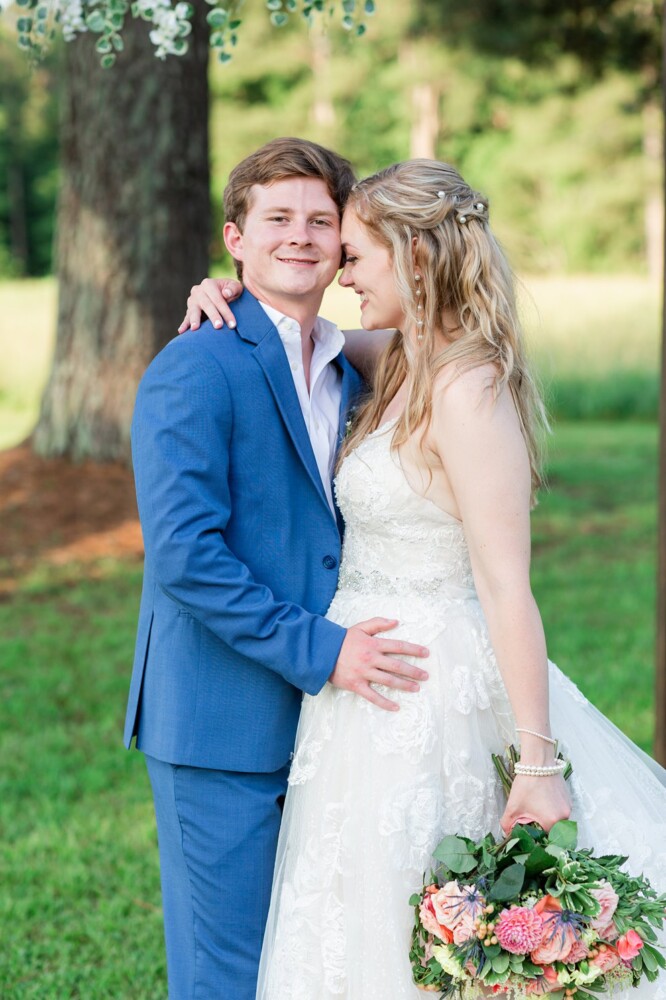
[255, 327]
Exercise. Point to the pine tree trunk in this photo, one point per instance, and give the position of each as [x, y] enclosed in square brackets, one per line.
[133, 231]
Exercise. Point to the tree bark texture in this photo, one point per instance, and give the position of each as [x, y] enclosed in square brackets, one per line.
[133, 231]
[660, 728]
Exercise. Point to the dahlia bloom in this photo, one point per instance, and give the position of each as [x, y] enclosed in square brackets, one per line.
[519, 930]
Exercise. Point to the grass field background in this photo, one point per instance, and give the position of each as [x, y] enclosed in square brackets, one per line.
[80, 907]
[594, 340]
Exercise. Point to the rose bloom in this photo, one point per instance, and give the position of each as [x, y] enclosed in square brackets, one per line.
[464, 929]
[629, 945]
[606, 959]
[430, 922]
[577, 953]
[519, 930]
[453, 902]
[607, 898]
[558, 936]
[608, 933]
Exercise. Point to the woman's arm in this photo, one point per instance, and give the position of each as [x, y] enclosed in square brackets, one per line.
[481, 447]
[212, 297]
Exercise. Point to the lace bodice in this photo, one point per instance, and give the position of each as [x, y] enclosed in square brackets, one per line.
[396, 541]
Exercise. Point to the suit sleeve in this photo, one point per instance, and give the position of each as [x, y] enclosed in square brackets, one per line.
[180, 447]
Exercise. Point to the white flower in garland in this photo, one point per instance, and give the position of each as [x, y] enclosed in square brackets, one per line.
[39, 20]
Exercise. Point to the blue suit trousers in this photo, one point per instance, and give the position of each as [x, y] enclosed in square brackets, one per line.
[217, 834]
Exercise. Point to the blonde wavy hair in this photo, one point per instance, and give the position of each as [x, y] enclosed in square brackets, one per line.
[433, 223]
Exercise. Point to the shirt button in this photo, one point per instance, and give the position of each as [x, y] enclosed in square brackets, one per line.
[330, 562]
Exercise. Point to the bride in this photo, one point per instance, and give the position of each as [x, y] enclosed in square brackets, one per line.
[435, 481]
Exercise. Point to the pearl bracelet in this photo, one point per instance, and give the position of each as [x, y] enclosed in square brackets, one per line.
[531, 732]
[535, 771]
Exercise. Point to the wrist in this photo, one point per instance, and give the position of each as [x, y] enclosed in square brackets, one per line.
[534, 750]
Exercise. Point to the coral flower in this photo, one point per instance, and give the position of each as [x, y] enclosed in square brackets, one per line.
[629, 945]
[559, 934]
[430, 921]
[519, 930]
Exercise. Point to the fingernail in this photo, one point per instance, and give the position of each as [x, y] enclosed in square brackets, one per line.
[232, 324]
[217, 324]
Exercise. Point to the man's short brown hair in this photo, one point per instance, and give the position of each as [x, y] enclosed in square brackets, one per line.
[280, 159]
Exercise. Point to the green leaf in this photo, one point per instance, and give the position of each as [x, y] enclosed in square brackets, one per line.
[103, 46]
[414, 899]
[118, 43]
[539, 860]
[649, 960]
[564, 834]
[509, 884]
[501, 962]
[274, 4]
[369, 7]
[95, 21]
[224, 57]
[24, 24]
[279, 19]
[108, 61]
[347, 22]
[217, 18]
[361, 29]
[455, 854]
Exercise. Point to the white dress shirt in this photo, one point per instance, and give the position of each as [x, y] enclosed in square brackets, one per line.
[320, 406]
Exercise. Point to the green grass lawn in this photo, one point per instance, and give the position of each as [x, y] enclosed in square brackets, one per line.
[79, 908]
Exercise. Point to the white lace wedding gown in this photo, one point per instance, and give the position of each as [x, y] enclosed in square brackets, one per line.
[372, 792]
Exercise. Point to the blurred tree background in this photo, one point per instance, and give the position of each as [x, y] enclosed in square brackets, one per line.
[561, 129]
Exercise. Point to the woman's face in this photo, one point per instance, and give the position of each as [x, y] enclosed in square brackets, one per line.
[368, 269]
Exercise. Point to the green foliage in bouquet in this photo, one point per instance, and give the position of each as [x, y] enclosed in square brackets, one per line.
[533, 914]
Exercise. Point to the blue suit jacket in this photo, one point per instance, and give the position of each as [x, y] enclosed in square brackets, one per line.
[242, 550]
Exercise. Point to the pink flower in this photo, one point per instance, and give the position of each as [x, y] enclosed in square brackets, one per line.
[629, 945]
[607, 898]
[519, 930]
[464, 929]
[606, 958]
[558, 933]
[608, 933]
[429, 919]
[453, 902]
[577, 953]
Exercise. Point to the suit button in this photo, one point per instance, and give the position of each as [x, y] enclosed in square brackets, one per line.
[330, 562]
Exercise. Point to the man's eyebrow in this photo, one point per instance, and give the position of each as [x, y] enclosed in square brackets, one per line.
[322, 211]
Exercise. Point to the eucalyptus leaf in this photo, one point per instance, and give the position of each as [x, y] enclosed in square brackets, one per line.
[564, 834]
[455, 854]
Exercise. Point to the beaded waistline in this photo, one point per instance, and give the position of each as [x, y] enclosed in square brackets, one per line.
[380, 583]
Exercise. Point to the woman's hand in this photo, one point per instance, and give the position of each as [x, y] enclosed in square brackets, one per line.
[536, 800]
[211, 297]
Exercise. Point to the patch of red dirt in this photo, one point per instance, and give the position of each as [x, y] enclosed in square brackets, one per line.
[55, 511]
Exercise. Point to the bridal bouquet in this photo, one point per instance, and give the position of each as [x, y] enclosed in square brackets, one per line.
[533, 914]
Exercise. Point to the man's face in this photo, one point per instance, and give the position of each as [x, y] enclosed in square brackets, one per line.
[290, 243]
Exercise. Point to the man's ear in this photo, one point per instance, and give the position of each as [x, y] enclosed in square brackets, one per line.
[233, 239]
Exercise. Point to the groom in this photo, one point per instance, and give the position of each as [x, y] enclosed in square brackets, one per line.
[234, 442]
